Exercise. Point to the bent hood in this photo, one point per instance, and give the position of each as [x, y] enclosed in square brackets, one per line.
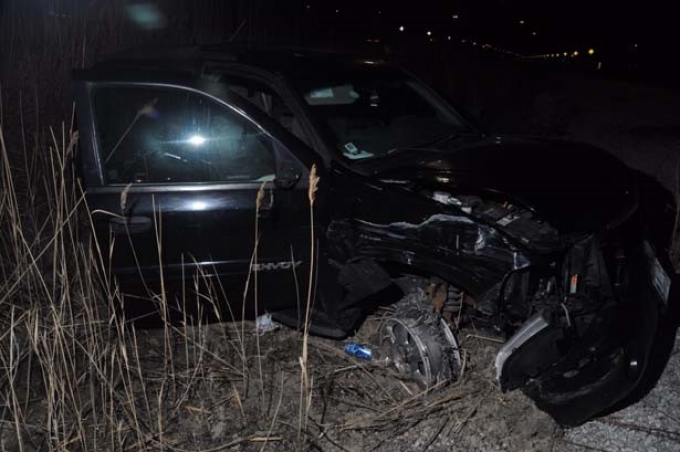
[573, 186]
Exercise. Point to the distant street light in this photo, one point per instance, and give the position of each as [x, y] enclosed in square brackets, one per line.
[429, 33]
[455, 17]
[401, 28]
[591, 51]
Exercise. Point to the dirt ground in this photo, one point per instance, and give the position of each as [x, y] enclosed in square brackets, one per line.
[226, 403]
[191, 390]
[355, 405]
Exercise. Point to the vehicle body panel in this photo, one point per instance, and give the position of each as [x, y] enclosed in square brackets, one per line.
[195, 232]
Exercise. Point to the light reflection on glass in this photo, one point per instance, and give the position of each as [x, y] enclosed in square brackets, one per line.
[196, 140]
[146, 16]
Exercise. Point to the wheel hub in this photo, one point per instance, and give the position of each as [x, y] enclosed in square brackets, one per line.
[421, 350]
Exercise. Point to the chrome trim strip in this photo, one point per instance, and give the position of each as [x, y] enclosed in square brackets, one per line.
[162, 188]
[529, 329]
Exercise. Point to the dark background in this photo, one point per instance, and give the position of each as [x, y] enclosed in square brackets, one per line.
[631, 39]
[500, 61]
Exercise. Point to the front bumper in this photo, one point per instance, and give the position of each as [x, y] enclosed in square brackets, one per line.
[610, 360]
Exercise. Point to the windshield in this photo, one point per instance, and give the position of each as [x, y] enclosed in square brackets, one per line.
[373, 113]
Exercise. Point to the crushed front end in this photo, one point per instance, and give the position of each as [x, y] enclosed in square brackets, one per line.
[589, 322]
[584, 307]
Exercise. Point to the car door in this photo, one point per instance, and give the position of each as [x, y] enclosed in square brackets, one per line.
[183, 189]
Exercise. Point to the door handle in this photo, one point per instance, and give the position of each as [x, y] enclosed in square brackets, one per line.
[267, 204]
[131, 225]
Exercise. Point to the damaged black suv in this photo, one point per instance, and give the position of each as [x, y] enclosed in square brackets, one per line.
[195, 157]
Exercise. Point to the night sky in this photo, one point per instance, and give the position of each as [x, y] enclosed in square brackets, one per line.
[641, 32]
[556, 24]
[642, 35]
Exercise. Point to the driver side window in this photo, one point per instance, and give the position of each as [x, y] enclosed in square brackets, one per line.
[149, 134]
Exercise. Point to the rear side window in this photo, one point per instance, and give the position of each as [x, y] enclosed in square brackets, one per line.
[150, 134]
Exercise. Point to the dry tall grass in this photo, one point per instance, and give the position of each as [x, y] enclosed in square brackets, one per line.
[74, 375]
[56, 339]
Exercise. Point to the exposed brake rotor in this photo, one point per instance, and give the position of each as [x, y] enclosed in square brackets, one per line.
[420, 343]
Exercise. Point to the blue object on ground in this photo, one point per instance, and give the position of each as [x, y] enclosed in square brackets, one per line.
[360, 351]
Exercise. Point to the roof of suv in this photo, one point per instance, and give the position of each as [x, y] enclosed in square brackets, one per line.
[199, 59]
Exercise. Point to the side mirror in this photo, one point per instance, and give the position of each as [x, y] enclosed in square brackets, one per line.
[288, 178]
